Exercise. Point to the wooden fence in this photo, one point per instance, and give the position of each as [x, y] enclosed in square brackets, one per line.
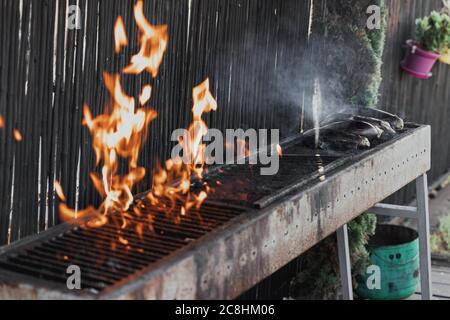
[417, 100]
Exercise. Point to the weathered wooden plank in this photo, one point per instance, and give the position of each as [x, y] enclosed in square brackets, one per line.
[441, 283]
[416, 100]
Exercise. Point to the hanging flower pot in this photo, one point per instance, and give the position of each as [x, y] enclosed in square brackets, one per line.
[419, 62]
[445, 58]
[433, 37]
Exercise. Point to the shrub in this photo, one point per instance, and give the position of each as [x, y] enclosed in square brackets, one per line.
[433, 31]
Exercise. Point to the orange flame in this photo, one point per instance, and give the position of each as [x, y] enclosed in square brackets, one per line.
[120, 35]
[67, 214]
[203, 102]
[2, 122]
[59, 191]
[153, 41]
[17, 135]
[174, 182]
[145, 95]
[279, 150]
[120, 133]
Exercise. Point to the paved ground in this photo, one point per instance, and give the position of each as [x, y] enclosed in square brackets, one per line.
[441, 283]
[439, 206]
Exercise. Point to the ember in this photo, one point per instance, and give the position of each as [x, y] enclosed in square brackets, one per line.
[17, 135]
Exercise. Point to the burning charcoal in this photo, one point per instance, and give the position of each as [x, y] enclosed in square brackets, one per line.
[396, 122]
[335, 140]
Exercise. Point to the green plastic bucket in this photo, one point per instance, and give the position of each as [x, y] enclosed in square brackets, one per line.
[394, 270]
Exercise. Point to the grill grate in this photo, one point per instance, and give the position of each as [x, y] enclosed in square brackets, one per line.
[105, 260]
[243, 185]
[110, 254]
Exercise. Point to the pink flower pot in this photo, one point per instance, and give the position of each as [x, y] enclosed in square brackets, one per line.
[419, 62]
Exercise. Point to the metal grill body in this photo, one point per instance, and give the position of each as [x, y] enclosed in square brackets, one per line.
[251, 227]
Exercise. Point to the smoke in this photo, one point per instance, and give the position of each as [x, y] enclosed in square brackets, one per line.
[313, 82]
[266, 76]
[278, 85]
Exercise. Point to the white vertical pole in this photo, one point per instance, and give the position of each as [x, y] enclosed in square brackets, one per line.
[344, 263]
[423, 222]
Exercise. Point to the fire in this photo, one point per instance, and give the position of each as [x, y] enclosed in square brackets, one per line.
[145, 95]
[122, 132]
[203, 102]
[279, 150]
[174, 181]
[153, 40]
[119, 134]
[59, 191]
[120, 36]
[17, 135]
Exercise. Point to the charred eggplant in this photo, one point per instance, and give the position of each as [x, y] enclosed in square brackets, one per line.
[361, 128]
[396, 122]
[333, 139]
[338, 117]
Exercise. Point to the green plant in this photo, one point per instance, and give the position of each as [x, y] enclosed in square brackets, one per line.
[377, 39]
[440, 240]
[320, 277]
[345, 25]
[433, 31]
[374, 40]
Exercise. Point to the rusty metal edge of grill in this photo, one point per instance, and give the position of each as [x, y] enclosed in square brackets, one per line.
[191, 265]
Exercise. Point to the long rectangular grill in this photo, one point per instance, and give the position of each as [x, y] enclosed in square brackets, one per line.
[251, 225]
[103, 259]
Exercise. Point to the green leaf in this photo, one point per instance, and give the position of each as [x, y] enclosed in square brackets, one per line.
[433, 31]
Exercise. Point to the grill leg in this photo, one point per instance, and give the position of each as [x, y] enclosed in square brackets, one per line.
[421, 215]
[423, 223]
[344, 263]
